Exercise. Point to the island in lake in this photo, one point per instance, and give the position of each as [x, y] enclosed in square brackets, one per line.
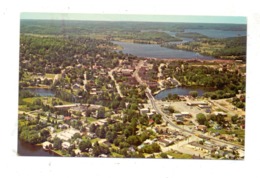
[131, 89]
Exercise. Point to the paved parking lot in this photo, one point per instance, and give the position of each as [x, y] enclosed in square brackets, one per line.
[181, 106]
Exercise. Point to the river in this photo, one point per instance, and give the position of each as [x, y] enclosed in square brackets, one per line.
[180, 91]
[26, 149]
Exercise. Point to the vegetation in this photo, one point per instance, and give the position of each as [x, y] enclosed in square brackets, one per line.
[228, 48]
[225, 84]
[74, 62]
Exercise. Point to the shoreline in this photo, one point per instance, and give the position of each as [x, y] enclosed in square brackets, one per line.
[37, 87]
[191, 60]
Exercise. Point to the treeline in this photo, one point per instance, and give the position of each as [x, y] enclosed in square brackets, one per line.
[51, 54]
[228, 48]
[148, 37]
[224, 84]
[67, 27]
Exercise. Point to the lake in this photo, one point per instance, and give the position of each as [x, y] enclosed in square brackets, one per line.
[156, 51]
[26, 149]
[180, 91]
[41, 91]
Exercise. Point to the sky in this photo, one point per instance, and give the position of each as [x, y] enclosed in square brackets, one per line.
[128, 17]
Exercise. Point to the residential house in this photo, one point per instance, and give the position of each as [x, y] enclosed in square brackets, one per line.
[165, 142]
[47, 145]
[186, 114]
[65, 145]
[220, 113]
[202, 128]
[144, 111]
[76, 86]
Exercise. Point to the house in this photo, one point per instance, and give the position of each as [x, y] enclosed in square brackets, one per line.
[127, 72]
[77, 141]
[131, 149]
[91, 135]
[63, 126]
[220, 113]
[65, 145]
[144, 111]
[215, 134]
[109, 85]
[165, 142]
[67, 118]
[77, 152]
[66, 134]
[230, 156]
[102, 156]
[177, 116]
[148, 142]
[153, 111]
[186, 114]
[47, 145]
[162, 130]
[151, 121]
[150, 114]
[202, 128]
[201, 106]
[76, 86]
[51, 129]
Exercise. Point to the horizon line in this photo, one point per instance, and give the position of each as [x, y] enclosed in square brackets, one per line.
[239, 20]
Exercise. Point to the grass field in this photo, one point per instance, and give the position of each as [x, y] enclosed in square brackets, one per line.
[50, 76]
[179, 155]
[45, 100]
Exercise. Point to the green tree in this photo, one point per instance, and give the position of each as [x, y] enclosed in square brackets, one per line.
[110, 136]
[201, 118]
[85, 145]
[163, 155]
[57, 143]
[133, 140]
[193, 93]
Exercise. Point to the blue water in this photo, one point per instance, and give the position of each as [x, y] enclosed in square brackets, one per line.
[26, 149]
[179, 91]
[41, 91]
[217, 33]
[156, 51]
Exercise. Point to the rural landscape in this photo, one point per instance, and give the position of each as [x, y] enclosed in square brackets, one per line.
[132, 89]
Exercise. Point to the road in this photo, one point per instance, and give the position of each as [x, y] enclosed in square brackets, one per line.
[85, 80]
[194, 134]
[110, 73]
[136, 75]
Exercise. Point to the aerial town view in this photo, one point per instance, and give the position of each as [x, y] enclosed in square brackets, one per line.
[132, 89]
